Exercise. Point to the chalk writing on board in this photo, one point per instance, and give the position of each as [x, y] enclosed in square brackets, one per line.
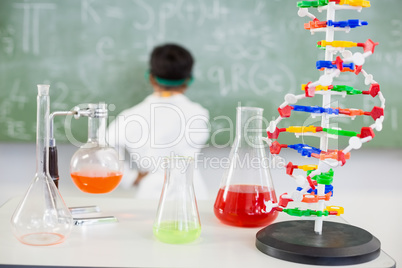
[390, 58]
[249, 52]
[188, 11]
[31, 25]
[17, 97]
[89, 12]
[259, 8]
[282, 79]
[217, 11]
[60, 90]
[262, 34]
[105, 48]
[149, 22]
[7, 41]
[396, 33]
[11, 107]
[216, 74]
[5, 110]
[17, 129]
[166, 12]
[255, 78]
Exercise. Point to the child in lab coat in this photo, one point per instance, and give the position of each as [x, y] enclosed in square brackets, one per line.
[166, 123]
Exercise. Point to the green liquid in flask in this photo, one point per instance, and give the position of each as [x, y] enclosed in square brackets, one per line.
[174, 232]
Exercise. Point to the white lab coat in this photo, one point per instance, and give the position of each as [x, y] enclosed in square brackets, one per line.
[155, 128]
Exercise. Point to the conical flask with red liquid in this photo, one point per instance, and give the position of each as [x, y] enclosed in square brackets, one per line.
[95, 168]
[246, 188]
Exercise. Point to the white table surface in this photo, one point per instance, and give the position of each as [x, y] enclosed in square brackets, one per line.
[130, 242]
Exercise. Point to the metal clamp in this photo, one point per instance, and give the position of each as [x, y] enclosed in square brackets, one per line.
[94, 111]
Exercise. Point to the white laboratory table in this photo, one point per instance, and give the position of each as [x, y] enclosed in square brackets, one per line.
[130, 242]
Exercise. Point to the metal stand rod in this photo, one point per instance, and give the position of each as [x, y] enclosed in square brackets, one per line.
[94, 220]
[77, 112]
[84, 210]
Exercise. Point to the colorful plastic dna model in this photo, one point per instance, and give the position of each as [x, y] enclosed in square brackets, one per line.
[315, 186]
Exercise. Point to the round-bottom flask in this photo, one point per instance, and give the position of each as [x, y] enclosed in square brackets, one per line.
[246, 186]
[42, 218]
[95, 167]
[177, 220]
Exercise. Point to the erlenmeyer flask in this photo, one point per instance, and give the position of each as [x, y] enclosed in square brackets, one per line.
[177, 220]
[95, 168]
[42, 218]
[246, 186]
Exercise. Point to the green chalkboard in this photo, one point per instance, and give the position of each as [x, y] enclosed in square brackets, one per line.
[248, 52]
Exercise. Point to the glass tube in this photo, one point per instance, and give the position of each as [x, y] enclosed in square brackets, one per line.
[42, 218]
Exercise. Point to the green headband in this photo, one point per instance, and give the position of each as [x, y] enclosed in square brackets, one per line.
[169, 82]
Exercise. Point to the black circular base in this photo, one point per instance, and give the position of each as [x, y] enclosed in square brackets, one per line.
[339, 244]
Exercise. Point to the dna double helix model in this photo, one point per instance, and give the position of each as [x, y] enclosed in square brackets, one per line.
[315, 187]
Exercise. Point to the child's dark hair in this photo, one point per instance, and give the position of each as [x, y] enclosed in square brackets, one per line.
[171, 62]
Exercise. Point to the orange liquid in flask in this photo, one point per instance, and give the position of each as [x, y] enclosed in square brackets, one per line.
[96, 182]
[244, 205]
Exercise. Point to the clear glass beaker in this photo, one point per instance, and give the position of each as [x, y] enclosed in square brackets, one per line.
[246, 185]
[95, 168]
[177, 219]
[42, 218]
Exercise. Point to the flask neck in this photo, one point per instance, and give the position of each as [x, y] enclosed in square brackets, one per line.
[249, 126]
[179, 171]
[42, 130]
[97, 131]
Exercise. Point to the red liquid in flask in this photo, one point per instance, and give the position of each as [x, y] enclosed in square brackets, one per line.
[96, 182]
[244, 205]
